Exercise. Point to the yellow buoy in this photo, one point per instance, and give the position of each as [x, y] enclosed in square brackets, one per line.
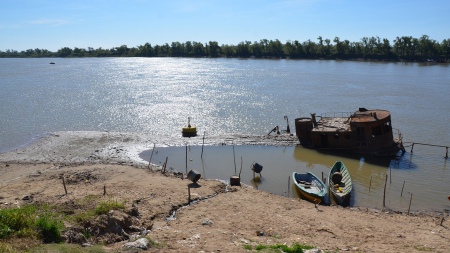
[189, 131]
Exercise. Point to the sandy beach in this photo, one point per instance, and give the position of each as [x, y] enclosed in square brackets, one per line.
[217, 218]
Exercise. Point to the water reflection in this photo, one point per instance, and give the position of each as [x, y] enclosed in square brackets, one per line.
[406, 174]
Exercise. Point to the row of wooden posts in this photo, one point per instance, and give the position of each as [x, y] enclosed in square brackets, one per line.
[235, 169]
[236, 180]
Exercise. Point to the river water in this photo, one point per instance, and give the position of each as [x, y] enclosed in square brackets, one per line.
[248, 96]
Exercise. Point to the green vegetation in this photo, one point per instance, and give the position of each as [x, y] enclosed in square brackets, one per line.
[29, 221]
[105, 206]
[405, 48]
[66, 248]
[93, 210]
[35, 227]
[295, 248]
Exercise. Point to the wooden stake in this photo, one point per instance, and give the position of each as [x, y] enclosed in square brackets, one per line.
[240, 170]
[401, 194]
[410, 199]
[104, 190]
[384, 195]
[189, 194]
[153, 150]
[201, 156]
[165, 165]
[370, 184]
[234, 158]
[64, 183]
[186, 160]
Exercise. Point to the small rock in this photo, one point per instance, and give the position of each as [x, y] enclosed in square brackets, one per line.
[141, 243]
[245, 241]
[259, 233]
[143, 232]
[312, 251]
[86, 245]
[207, 222]
[133, 237]
[28, 197]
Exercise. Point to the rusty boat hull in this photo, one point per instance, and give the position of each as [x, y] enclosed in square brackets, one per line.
[365, 131]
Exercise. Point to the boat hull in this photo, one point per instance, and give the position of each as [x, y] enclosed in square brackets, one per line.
[366, 132]
[310, 186]
[340, 183]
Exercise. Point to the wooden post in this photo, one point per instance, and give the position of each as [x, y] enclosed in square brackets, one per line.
[370, 184]
[64, 183]
[201, 156]
[410, 199]
[186, 161]
[240, 170]
[401, 194]
[384, 195]
[234, 158]
[189, 194]
[153, 150]
[412, 147]
[165, 165]
[446, 152]
[104, 190]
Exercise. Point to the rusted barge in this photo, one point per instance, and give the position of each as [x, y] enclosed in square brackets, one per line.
[363, 132]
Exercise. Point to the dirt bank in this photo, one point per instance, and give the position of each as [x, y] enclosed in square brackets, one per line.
[224, 220]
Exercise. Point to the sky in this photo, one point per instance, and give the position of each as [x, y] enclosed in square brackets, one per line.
[54, 24]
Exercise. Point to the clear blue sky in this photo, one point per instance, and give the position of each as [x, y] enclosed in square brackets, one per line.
[53, 24]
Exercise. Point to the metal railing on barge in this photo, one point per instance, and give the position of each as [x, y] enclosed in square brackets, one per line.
[336, 114]
[430, 145]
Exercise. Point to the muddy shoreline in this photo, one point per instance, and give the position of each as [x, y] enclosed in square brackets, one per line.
[121, 148]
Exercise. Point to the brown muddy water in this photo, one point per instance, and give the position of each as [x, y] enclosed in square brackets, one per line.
[405, 174]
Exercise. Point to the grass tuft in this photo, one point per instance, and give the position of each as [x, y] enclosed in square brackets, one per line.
[295, 248]
[105, 206]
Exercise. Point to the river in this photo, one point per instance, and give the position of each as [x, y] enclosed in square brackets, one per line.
[249, 96]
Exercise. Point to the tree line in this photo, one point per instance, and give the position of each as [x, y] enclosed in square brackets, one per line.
[405, 48]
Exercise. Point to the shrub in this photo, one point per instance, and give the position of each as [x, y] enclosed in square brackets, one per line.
[17, 221]
[22, 222]
[49, 229]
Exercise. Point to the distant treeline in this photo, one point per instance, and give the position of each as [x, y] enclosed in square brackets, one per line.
[405, 48]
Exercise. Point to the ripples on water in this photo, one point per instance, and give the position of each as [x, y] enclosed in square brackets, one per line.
[156, 95]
